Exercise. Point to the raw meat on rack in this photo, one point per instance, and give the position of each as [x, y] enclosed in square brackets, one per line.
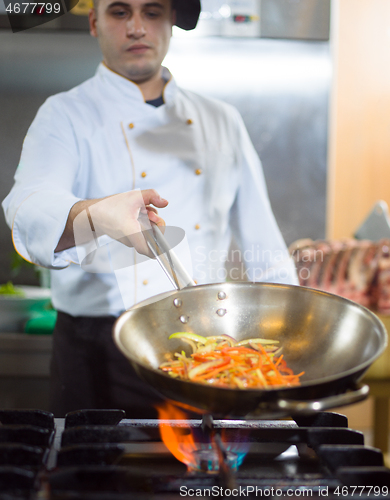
[357, 270]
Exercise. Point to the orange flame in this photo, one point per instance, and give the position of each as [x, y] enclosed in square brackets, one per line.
[177, 433]
[178, 438]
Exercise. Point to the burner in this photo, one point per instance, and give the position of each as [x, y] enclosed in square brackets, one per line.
[208, 460]
[99, 455]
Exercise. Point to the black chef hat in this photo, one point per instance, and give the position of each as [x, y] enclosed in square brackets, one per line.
[187, 13]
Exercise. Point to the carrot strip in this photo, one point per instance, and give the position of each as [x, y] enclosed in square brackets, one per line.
[222, 362]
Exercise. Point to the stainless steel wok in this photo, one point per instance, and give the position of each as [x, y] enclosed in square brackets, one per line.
[332, 339]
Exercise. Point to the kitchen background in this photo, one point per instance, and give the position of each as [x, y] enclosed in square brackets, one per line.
[280, 85]
[311, 79]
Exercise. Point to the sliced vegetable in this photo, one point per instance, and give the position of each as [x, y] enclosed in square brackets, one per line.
[188, 335]
[258, 341]
[204, 367]
[228, 339]
[190, 342]
[221, 361]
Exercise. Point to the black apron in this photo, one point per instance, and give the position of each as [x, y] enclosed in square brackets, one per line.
[88, 371]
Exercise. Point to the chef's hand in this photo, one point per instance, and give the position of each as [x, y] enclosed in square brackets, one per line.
[151, 197]
[115, 216]
[136, 223]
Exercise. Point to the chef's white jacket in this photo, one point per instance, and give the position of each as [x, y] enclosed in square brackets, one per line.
[101, 138]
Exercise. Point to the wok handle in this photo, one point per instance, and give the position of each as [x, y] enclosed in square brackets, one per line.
[164, 255]
[310, 406]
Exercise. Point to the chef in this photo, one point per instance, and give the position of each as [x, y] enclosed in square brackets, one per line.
[131, 132]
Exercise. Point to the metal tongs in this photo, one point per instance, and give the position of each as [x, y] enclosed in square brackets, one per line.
[163, 253]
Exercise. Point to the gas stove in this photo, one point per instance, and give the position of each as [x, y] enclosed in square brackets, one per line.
[101, 455]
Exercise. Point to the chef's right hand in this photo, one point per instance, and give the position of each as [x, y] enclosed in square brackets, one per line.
[117, 216]
[151, 197]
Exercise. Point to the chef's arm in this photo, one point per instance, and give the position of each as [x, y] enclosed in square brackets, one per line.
[115, 216]
[38, 208]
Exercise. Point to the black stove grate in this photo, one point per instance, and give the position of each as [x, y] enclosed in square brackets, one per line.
[26, 437]
[99, 455]
[94, 417]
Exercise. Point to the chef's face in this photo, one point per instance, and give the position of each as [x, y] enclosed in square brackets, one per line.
[133, 35]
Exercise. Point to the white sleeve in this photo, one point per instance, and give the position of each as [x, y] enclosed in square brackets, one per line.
[254, 226]
[38, 205]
